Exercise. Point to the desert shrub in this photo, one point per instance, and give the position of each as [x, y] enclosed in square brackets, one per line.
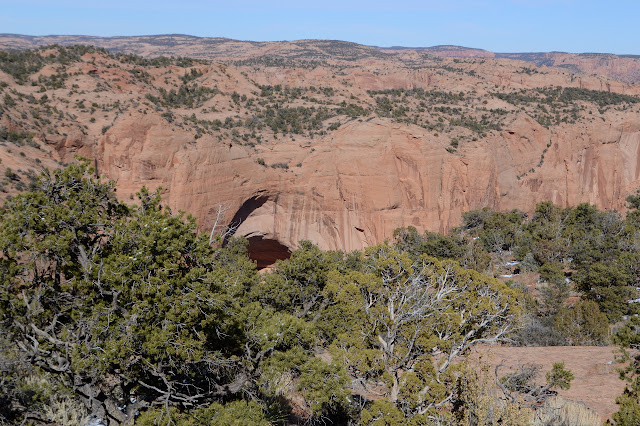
[628, 339]
[520, 384]
[556, 292]
[479, 401]
[187, 96]
[429, 243]
[21, 64]
[582, 324]
[280, 166]
[537, 331]
[16, 137]
[610, 285]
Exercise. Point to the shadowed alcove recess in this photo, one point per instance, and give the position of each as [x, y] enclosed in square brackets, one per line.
[264, 250]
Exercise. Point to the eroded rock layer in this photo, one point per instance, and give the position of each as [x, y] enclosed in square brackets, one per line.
[354, 187]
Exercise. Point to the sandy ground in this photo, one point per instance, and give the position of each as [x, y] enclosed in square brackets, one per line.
[596, 381]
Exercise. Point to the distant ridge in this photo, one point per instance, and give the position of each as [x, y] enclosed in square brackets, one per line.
[42, 40]
[620, 67]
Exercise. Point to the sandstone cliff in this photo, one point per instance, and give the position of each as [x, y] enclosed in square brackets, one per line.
[328, 152]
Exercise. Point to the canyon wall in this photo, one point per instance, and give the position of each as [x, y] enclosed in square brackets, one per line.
[392, 145]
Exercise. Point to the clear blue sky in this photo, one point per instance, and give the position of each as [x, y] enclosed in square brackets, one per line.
[498, 25]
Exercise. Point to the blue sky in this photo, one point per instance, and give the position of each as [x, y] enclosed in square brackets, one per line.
[498, 25]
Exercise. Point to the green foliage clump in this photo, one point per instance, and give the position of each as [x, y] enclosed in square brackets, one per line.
[399, 326]
[559, 377]
[235, 413]
[633, 200]
[469, 253]
[9, 101]
[157, 62]
[191, 75]
[600, 97]
[498, 231]
[16, 137]
[22, 64]
[295, 119]
[577, 248]
[628, 339]
[296, 284]
[103, 291]
[557, 290]
[611, 285]
[128, 303]
[54, 81]
[351, 110]
[186, 96]
[430, 243]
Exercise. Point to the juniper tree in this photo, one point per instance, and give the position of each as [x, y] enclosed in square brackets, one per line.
[409, 324]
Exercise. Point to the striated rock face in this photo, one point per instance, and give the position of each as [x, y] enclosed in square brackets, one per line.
[357, 185]
[353, 179]
[365, 180]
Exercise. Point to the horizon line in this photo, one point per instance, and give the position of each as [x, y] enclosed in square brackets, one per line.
[394, 47]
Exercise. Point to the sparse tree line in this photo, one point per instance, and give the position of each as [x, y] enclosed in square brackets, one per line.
[578, 250]
[22, 64]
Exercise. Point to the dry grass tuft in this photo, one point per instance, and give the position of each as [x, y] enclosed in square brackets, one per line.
[561, 411]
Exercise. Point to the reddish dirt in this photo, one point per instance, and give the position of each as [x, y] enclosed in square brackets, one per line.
[596, 382]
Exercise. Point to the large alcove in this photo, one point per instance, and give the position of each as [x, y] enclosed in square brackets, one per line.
[266, 251]
[263, 249]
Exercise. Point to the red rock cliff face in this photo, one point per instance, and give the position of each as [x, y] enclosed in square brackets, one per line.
[355, 186]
